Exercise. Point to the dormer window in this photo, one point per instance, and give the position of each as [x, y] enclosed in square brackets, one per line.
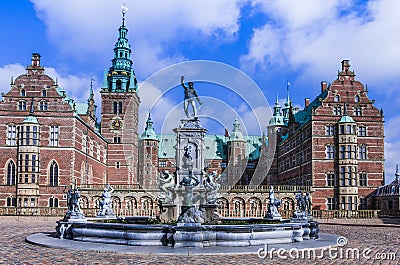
[23, 93]
[337, 98]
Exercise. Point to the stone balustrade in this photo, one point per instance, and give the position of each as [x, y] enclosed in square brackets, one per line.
[92, 212]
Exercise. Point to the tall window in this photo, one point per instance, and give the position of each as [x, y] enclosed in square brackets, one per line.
[22, 105]
[330, 179]
[11, 135]
[349, 151]
[43, 106]
[27, 134]
[342, 151]
[11, 201]
[342, 175]
[118, 84]
[362, 152]
[115, 107]
[362, 179]
[331, 203]
[23, 93]
[54, 133]
[53, 202]
[44, 93]
[330, 152]
[35, 136]
[350, 203]
[357, 111]
[357, 98]
[34, 165]
[329, 130]
[119, 107]
[53, 176]
[362, 131]
[11, 173]
[349, 176]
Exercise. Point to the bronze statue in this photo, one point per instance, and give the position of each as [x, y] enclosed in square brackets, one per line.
[190, 96]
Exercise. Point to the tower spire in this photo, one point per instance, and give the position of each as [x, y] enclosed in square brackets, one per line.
[124, 9]
[91, 95]
[120, 76]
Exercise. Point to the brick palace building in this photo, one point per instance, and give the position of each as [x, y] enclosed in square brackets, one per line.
[334, 147]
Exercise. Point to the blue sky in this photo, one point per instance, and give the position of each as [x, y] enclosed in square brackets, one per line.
[269, 40]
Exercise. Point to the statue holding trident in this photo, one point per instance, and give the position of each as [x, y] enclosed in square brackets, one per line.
[190, 96]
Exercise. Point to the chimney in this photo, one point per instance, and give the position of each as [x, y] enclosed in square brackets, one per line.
[345, 65]
[306, 102]
[323, 86]
[35, 59]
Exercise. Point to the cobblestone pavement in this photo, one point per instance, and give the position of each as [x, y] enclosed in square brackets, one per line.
[383, 241]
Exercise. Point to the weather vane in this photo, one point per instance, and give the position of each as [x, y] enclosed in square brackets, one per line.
[124, 9]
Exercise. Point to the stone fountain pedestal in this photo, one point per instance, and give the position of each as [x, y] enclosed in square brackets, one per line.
[168, 212]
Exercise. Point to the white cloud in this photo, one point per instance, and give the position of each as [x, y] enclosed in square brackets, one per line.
[392, 147]
[8, 71]
[85, 29]
[314, 36]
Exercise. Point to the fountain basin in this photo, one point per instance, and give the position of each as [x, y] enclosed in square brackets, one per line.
[183, 234]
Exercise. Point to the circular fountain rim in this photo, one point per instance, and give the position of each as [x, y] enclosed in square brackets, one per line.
[51, 240]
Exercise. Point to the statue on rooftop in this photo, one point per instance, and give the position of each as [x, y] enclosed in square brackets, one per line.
[190, 97]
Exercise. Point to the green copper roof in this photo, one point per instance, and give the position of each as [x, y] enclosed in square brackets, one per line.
[346, 119]
[81, 108]
[277, 118]
[30, 119]
[304, 116]
[236, 132]
[215, 146]
[149, 132]
[120, 76]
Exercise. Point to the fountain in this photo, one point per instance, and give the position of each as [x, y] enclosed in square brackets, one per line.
[188, 207]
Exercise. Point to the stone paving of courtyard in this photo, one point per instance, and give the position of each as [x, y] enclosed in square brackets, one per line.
[382, 236]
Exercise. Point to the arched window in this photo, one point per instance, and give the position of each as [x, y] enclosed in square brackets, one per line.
[53, 202]
[53, 176]
[23, 93]
[11, 201]
[115, 109]
[120, 107]
[118, 85]
[11, 173]
[357, 98]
